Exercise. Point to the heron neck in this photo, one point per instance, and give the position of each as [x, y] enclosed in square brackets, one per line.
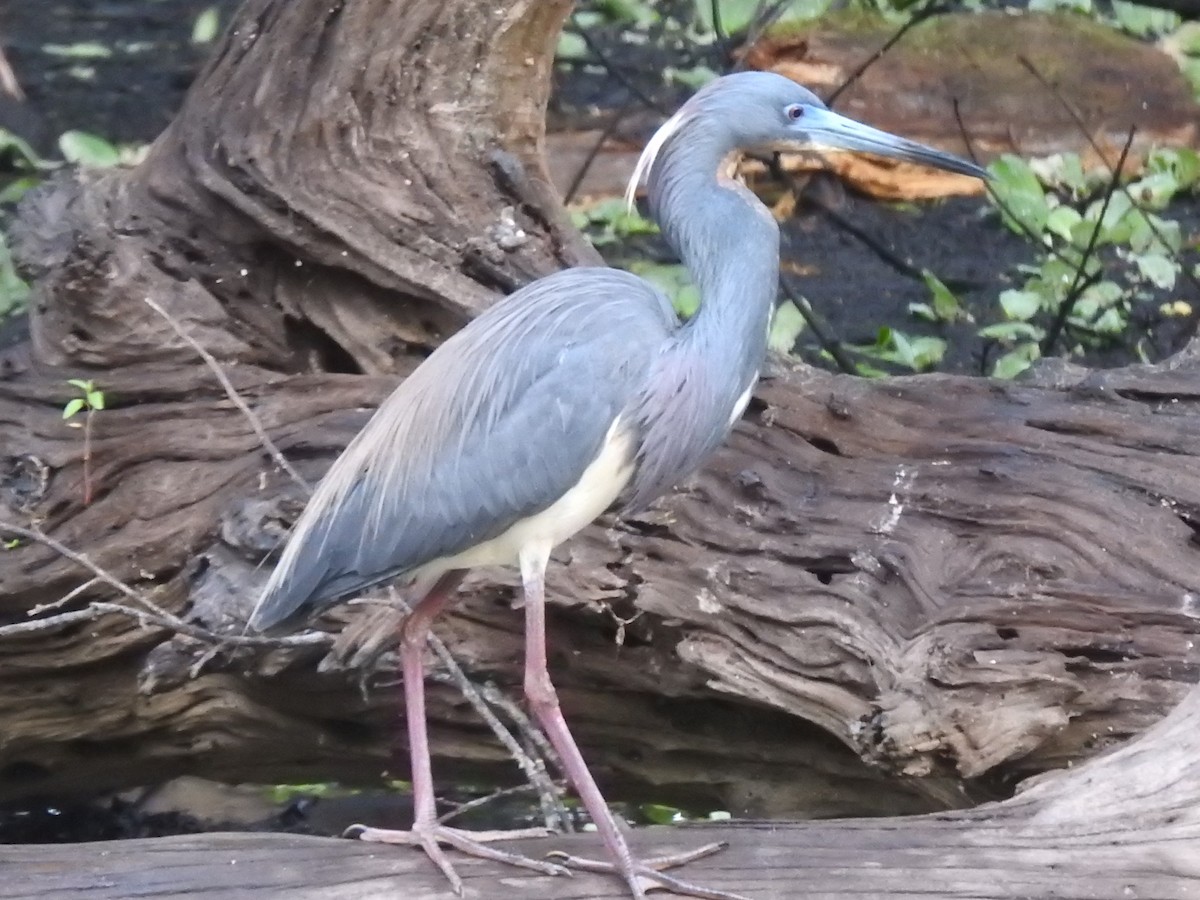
[728, 241]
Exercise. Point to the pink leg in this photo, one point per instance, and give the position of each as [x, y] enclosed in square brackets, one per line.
[427, 832]
[543, 700]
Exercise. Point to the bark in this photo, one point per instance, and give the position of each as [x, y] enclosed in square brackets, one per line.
[881, 597]
[1126, 825]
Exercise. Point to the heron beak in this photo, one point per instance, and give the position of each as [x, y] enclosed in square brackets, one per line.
[823, 128]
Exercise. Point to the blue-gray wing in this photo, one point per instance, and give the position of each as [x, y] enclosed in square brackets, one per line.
[496, 425]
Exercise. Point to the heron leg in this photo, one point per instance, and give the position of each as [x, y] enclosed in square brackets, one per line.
[640, 875]
[426, 832]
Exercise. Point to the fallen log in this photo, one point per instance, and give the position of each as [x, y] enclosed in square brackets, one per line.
[882, 597]
[1124, 825]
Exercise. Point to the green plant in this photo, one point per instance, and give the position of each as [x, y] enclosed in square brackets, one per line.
[786, 326]
[206, 26]
[88, 150]
[14, 292]
[89, 401]
[917, 353]
[944, 305]
[1103, 253]
[738, 15]
[674, 281]
[608, 221]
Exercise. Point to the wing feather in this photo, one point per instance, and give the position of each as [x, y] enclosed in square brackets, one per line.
[496, 425]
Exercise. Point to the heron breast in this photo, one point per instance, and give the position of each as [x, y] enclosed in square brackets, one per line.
[597, 489]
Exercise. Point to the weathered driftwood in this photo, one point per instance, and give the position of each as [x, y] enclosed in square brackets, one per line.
[1126, 825]
[952, 580]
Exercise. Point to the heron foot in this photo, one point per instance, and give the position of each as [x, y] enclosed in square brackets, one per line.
[648, 874]
[430, 837]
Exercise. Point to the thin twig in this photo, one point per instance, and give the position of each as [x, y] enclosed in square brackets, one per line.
[536, 744]
[1073, 294]
[40, 537]
[48, 624]
[150, 613]
[87, 454]
[719, 26]
[993, 195]
[830, 345]
[174, 623]
[498, 794]
[43, 608]
[764, 17]
[607, 133]
[231, 392]
[935, 8]
[498, 699]
[618, 75]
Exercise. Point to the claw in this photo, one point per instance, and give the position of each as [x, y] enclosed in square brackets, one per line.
[647, 875]
[473, 843]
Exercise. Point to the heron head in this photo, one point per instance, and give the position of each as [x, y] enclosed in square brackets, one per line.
[769, 111]
[766, 111]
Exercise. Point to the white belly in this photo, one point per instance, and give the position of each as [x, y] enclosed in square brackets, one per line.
[601, 484]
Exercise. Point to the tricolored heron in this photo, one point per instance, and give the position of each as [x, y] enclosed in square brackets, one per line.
[579, 392]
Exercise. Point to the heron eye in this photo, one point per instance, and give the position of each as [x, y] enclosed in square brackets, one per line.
[795, 111]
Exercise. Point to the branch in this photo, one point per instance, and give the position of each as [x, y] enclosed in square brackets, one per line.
[231, 392]
[150, 614]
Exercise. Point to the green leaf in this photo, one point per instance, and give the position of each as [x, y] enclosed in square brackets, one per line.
[661, 815]
[737, 15]
[81, 50]
[608, 220]
[675, 282]
[1116, 225]
[1191, 71]
[945, 305]
[85, 149]
[866, 370]
[1018, 194]
[1061, 170]
[917, 353]
[205, 28]
[1020, 305]
[786, 326]
[1111, 321]
[1103, 294]
[1187, 38]
[1152, 234]
[571, 47]
[1062, 220]
[18, 188]
[1143, 21]
[922, 311]
[14, 292]
[72, 407]
[22, 152]
[95, 399]
[639, 13]
[696, 77]
[80, 383]
[1011, 331]
[1016, 361]
[1181, 162]
[1158, 270]
[1154, 191]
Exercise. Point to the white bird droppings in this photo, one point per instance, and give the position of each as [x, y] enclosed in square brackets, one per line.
[901, 485]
